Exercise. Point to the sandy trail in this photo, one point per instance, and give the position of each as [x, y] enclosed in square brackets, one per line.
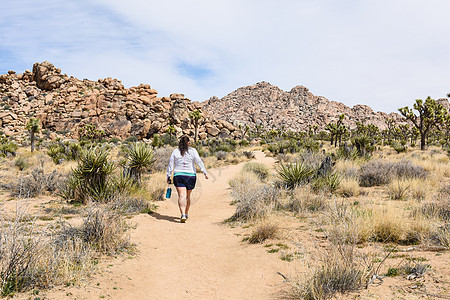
[200, 259]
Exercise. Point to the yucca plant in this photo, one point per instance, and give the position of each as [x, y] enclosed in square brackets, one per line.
[294, 174]
[329, 182]
[91, 178]
[140, 159]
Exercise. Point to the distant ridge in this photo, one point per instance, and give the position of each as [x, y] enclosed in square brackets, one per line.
[268, 105]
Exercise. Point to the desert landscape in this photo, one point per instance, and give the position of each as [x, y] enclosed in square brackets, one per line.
[307, 198]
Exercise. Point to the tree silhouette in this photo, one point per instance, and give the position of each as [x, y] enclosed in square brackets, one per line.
[33, 126]
[195, 116]
[430, 115]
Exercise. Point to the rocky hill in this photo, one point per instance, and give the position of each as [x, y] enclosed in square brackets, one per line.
[64, 104]
[272, 107]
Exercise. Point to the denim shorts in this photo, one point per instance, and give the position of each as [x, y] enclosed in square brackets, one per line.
[185, 181]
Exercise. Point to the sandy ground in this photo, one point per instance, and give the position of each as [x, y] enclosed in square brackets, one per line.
[201, 259]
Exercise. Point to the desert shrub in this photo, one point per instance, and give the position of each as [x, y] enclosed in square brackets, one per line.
[63, 151]
[221, 155]
[104, 230]
[375, 173]
[90, 132]
[380, 172]
[92, 178]
[215, 145]
[249, 154]
[7, 147]
[302, 199]
[295, 174]
[329, 182]
[311, 159]
[345, 152]
[346, 224]
[20, 253]
[406, 169]
[34, 184]
[439, 208]
[130, 204]
[399, 148]
[387, 229]
[261, 170]
[34, 257]
[364, 146]
[162, 157]
[21, 163]
[156, 186]
[253, 199]
[264, 231]
[140, 159]
[341, 270]
[168, 139]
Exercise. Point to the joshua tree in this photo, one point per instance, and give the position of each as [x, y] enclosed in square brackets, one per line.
[430, 115]
[337, 130]
[244, 129]
[171, 130]
[33, 127]
[195, 116]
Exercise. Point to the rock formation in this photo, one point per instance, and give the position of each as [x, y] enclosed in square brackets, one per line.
[267, 105]
[64, 104]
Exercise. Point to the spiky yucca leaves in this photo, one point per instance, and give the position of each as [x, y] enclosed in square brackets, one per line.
[329, 182]
[294, 174]
[140, 159]
[91, 179]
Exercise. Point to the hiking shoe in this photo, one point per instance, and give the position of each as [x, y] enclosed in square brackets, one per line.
[183, 218]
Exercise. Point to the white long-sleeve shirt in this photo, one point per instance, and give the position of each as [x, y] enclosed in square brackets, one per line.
[184, 164]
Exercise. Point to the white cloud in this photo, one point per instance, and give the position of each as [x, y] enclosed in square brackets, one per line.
[381, 53]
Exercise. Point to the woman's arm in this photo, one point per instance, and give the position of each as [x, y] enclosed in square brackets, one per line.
[171, 165]
[199, 162]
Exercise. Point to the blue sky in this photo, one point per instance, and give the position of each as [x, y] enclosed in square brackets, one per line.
[383, 53]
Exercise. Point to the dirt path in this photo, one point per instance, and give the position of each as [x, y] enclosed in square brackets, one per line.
[200, 259]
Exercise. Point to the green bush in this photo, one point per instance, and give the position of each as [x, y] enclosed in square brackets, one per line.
[294, 174]
[140, 159]
[63, 151]
[21, 163]
[92, 178]
[330, 182]
[7, 147]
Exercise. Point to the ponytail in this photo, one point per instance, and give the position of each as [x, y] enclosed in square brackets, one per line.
[183, 145]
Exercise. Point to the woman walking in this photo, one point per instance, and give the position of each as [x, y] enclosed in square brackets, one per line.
[182, 164]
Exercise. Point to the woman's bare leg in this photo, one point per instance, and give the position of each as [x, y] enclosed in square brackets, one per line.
[188, 200]
[182, 199]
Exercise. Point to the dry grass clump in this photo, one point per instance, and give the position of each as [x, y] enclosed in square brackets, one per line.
[264, 231]
[253, 198]
[346, 224]
[349, 187]
[156, 186]
[302, 199]
[398, 189]
[439, 208]
[340, 270]
[34, 257]
[104, 230]
[261, 170]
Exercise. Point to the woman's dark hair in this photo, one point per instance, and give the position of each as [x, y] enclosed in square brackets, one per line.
[183, 145]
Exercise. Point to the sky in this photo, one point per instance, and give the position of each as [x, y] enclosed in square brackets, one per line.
[381, 53]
